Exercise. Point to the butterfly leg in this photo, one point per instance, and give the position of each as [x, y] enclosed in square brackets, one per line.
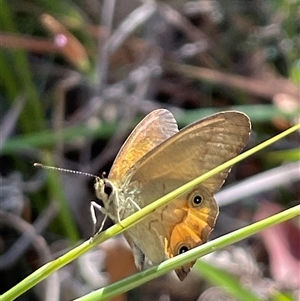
[133, 203]
[93, 207]
[138, 255]
[121, 210]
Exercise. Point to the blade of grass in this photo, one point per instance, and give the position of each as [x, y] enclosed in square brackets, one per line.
[48, 138]
[284, 155]
[278, 296]
[31, 117]
[56, 190]
[257, 113]
[224, 279]
[50, 267]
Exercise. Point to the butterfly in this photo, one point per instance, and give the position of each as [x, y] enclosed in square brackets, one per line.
[157, 158]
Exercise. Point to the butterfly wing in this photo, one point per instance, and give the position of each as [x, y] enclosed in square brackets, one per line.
[155, 128]
[196, 214]
[194, 150]
[188, 154]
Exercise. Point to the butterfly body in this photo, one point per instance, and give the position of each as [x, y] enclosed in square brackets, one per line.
[156, 159]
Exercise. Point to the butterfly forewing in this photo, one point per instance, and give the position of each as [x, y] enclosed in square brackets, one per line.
[155, 128]
[190, 153]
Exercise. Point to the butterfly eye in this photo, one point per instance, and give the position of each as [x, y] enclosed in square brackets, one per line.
[183, 249]
[108, 189]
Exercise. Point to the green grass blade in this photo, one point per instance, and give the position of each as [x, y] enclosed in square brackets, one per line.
[48, 138]
[283, 156]
[224, 279]
[278, 296]
[31, 117]
[257, 113]
[56, 190]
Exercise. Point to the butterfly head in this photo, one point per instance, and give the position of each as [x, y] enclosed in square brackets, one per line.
[106, 191]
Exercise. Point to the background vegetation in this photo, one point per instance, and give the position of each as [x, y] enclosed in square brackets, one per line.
[76, 76]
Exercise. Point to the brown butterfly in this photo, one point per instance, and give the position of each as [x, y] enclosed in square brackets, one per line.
[156, 159]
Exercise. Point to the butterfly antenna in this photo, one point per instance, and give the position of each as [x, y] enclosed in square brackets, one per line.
[39, 165]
